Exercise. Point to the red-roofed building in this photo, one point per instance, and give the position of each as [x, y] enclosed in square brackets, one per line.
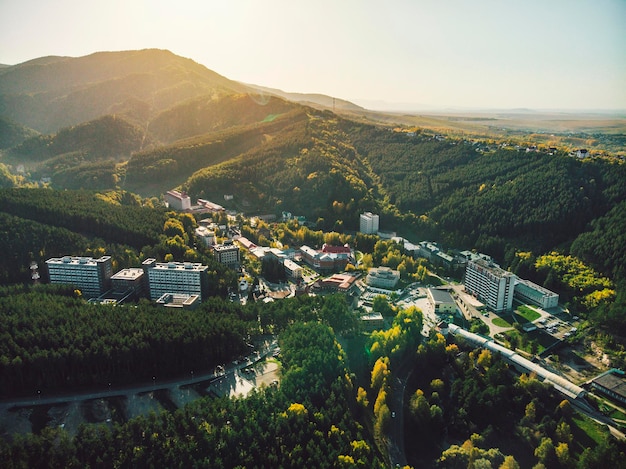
[345, 249]
[337, 282]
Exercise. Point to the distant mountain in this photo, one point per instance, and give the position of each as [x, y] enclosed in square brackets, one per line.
[311, 99]
[203, 115]
[50, 93]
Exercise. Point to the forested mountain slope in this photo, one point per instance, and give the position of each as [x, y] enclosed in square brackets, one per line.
[50, 93]
[12, 134]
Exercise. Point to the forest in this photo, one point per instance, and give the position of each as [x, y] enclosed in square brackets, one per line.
[306, 422]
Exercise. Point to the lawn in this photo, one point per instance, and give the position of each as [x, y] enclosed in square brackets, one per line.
[589, 429]
[528, 313]
[501, 322]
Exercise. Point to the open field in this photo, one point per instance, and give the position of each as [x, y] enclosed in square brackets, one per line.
[601, 131]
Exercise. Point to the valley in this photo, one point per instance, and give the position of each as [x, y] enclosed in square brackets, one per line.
[365, 375]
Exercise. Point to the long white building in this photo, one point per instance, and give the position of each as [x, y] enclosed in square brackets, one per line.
[530, 292]
[91, 276]
[490, 284]
[176, 277]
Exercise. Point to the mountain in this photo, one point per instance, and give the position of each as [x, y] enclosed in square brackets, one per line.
[12, 133]
[147, 121]
[315, 100]
[50, 93]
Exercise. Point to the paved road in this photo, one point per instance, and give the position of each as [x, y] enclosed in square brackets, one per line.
[395, 444]
[155, 385]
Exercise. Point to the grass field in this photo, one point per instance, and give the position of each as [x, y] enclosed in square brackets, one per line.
[527, 313]
[501, 322]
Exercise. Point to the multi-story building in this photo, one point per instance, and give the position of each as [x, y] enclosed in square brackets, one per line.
[368, 223]
[338, 283]
[322, 261]
[530, 292]
[427, 250]
[292, 270]
[91, 276]
[129, 280]
[177, 200]
[205, 236]
[490, 284]
[382, 277]
[227, 254]
[176, 277]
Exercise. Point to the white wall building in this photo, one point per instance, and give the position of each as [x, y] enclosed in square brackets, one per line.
[490, 284]
[441, 300]
[91, 276]
[530, 292]
[205, 236]
[368, 223]
[292, 270]
[177, 200]
[382, 277]
[175, 277]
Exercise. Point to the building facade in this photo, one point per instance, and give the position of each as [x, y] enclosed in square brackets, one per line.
[382, 277]
[442, 301]
[490, 284]
[529, 292]
[91, 276]
[177, 200]
[227, 254]
[324, 262]
[292, 270]
[368, 223]
[132, 280]
[205, 236]
[176, 277]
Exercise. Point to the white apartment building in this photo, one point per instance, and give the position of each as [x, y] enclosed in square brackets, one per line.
[368, 223]
[175, 277]
[490, 284]
[530, 292]
[177, 200]
[382, 277]
[91, 276]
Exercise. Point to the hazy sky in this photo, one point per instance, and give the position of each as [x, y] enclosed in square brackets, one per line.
[540, 54]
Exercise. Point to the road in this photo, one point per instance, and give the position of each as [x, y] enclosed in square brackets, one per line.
[395, 444]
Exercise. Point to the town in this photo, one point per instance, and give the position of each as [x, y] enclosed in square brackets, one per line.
[471, 307]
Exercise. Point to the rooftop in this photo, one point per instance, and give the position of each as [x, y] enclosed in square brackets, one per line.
[613, 383]
[440, 296]
[128, 274]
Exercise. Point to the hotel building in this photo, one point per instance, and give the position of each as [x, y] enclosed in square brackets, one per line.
[91, 276]
[490, 284]
[368, 223]
[176, 277]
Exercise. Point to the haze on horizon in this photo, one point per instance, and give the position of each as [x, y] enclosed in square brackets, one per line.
[403, 54]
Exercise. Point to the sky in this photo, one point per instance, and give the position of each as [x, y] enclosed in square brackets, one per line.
[393, 54]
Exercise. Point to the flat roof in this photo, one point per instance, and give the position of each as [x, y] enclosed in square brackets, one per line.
[440, 296]
[128, 274]
[613, 383]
